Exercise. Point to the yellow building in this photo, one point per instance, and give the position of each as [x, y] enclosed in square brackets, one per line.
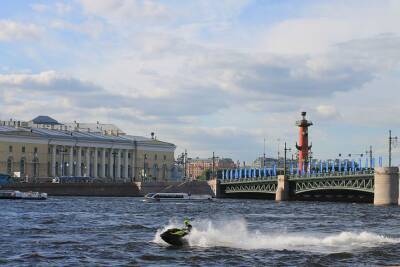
[46, 149]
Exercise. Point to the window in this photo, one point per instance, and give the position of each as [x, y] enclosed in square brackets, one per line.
[155, 157]
[9, 165]
[10, 149]
[164, 171]
[23, 149]
[165, 157]
[22, 167]
[107, 154]
[155, 171]
[35, 167]
[129, 155]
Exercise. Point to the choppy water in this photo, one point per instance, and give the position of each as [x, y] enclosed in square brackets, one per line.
[76, 231]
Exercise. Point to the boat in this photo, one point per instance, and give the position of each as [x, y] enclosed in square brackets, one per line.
[15, 194]
[157, 197]
[175, 237]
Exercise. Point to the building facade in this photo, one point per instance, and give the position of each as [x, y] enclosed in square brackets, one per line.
[40, 152]
[196, 167]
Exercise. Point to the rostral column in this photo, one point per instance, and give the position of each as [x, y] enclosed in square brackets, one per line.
[303, 146]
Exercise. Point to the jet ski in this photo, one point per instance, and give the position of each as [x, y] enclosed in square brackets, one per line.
[175, 236]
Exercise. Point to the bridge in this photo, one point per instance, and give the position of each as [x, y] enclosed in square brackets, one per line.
[346, 182]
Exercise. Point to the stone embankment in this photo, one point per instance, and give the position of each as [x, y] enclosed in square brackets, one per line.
[136, 189]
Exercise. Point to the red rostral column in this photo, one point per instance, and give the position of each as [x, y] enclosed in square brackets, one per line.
[303, 146]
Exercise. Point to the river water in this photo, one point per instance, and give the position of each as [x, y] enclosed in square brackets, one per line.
[78, 231]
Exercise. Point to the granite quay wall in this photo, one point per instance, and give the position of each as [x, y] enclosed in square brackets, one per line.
[136, 189]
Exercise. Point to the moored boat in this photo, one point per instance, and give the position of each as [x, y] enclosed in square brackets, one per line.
[156, 197]
[15, 194]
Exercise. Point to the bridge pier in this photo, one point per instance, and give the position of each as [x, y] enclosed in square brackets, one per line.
[215, 186]
[282, 190]
[386, 186]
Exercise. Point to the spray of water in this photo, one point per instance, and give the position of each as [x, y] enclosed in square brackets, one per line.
[235, 234]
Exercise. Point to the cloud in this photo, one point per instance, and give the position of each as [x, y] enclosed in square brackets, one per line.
[327, 112]
[124, 10]
[45, 82]
[13, 31]
[39, 7]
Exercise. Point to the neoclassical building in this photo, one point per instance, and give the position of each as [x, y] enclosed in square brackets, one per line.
[49, 149]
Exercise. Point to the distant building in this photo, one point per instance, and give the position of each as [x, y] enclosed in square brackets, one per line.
[43, 147]
[267, 162]
[197, 167]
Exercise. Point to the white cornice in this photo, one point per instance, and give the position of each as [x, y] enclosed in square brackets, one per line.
[147, 146]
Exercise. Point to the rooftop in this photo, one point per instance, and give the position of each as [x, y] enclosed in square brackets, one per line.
[45, 120]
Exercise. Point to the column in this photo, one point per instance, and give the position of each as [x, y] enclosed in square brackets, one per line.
[111, 164]
[71, 161]
[53, 161]
[118, 167]
[79, 162]
[95, 163]
[133, 164]
[126, 164]
[103, 163]
[87, 162]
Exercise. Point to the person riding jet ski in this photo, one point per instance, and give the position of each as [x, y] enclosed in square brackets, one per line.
[174, 236]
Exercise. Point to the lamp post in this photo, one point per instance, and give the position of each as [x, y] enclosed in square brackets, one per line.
[213, 166]
[284, 162]
[392, 141]
[277, 162]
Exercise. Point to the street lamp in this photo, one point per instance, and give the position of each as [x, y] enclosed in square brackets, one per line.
[277, 162]
[392, 141]
[284, 162]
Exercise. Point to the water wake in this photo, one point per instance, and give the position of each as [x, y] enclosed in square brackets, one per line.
[235, 234]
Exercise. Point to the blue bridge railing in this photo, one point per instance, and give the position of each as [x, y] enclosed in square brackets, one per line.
[316, 169]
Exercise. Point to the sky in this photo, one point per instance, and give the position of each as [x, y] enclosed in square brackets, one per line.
[209, 75]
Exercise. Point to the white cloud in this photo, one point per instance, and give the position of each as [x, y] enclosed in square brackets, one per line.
[12, 31]
[39, 7]
[123, 10]
[62, 8]
[327, 112]
[321, 28]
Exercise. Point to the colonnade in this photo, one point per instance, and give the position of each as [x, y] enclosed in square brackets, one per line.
[92, 162]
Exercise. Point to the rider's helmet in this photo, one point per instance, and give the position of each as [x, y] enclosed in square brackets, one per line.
[186, 222]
